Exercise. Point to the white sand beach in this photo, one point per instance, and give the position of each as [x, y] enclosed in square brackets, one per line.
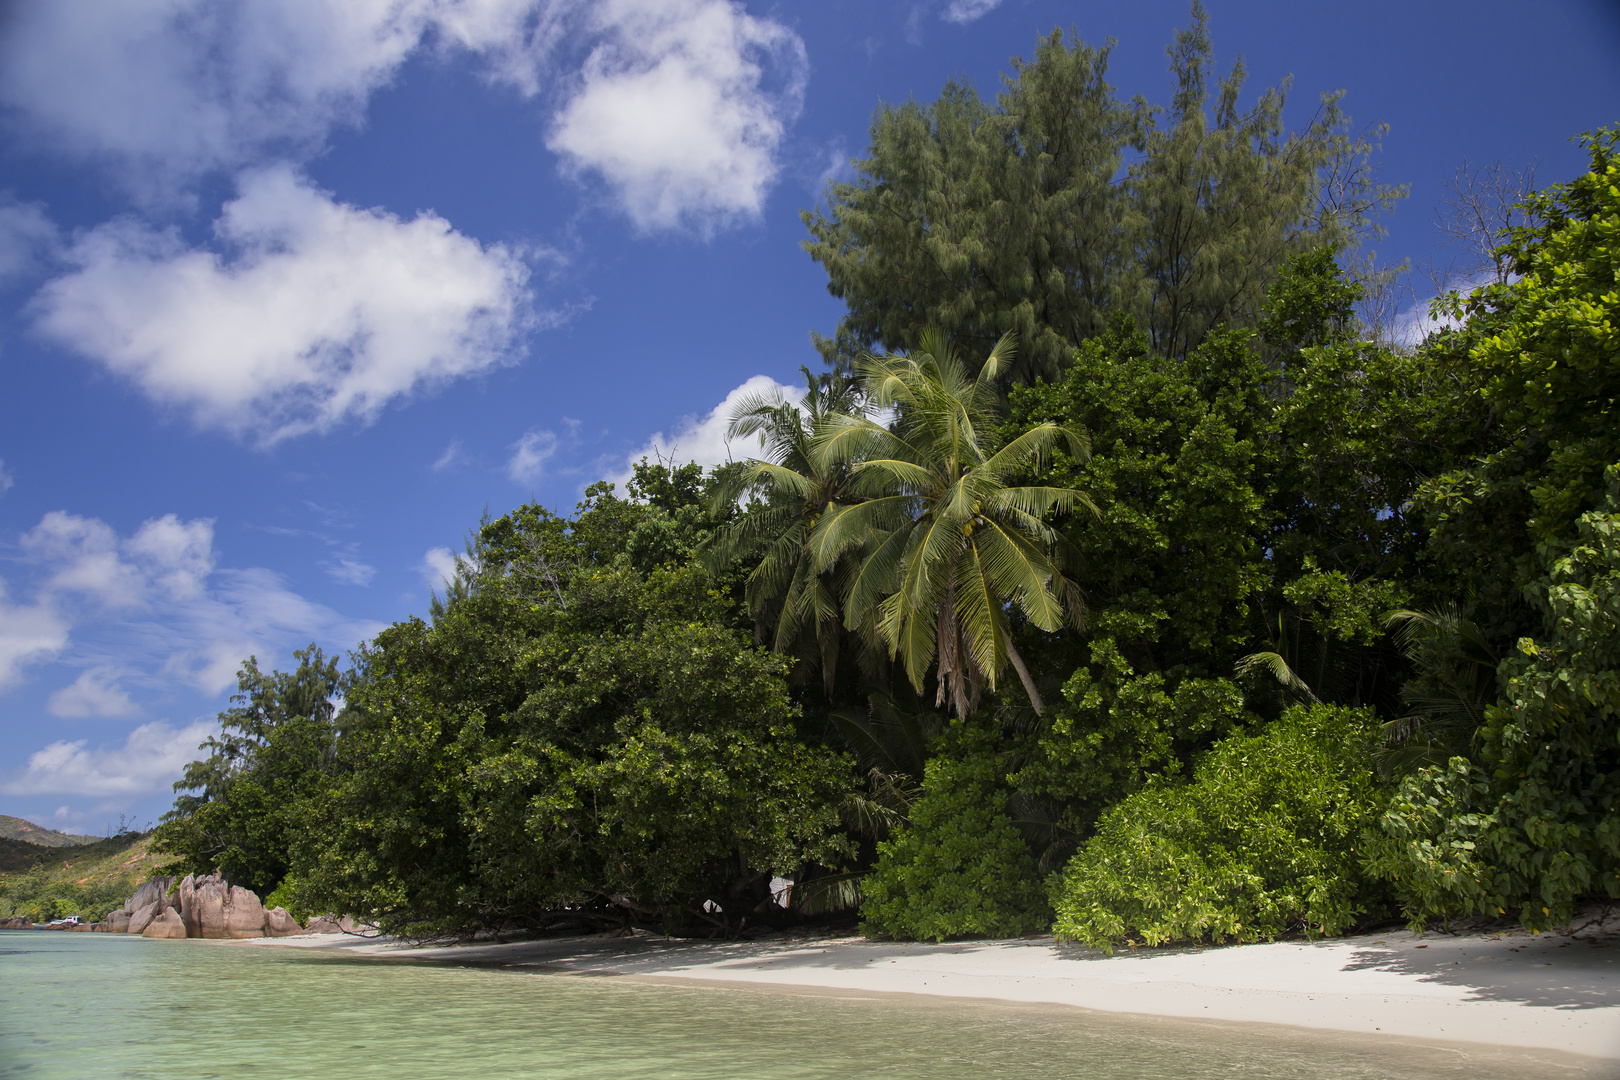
[1552, 992]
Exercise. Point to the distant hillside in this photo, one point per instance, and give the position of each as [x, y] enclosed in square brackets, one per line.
[15, 828]
[86, 879]
[17, 856]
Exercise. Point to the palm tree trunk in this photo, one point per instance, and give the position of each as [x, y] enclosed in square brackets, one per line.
[1023, 676]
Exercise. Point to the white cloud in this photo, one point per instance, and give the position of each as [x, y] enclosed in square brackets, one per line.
[150, 759]
[681, 109]
[451, 457]
[27, 237]
[324, 311]
[840, 169]
[156, 605]
[94, 693]
[166, 559]
[529, 456]
[681, 105]
[7, 481]
[347, 571]
[966, 11]
[438, 567]
[28, 634]
[176, 556]
[703, 438]
[1414, 324]
[165, 90]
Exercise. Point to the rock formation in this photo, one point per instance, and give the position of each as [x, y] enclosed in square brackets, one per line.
[202, 907]
[278, 923]
[188, 906]
[166, 925]
[153, 892]
[323, 924]
[142, 916]
[211, 907]
[139, 910]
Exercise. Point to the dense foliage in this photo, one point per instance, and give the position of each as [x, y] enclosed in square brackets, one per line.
[581, 737]
[241, 805]
[1528, 820]
[958, 868]
[985, 219]
[1307, 629]
[1262, 842]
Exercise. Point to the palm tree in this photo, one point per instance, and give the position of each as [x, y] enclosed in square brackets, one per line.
[948, 546]
[1452, 684]
[791, 492]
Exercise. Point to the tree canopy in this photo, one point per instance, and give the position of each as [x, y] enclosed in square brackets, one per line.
[1058, 205]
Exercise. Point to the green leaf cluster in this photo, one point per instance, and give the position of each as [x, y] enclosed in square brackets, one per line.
[1253, 497]
[1262, 842]
[1527, 821]
[1532, 825]
[959, 868]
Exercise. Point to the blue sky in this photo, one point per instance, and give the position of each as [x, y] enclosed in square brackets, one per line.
[291, 290]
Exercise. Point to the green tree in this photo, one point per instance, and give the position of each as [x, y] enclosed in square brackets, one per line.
[1527, 821]
[1253, 496]
[1533, 824]
[1539, 354]
[985, 219]
[240, 806]
[791, 488]
[952, 545]
[584, 739]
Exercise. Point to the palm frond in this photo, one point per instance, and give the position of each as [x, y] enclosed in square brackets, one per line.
[905, 476]
[825, 895]
[878, 576]
[1032, 450]
[846, 527]
[979, 616]
[863, 742]
[1021, 571]
[1273, 664]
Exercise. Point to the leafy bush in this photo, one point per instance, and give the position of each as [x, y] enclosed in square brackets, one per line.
[1532, 822]
[1262, 842]
[959, 868]
[287, 895]
[1537, 825]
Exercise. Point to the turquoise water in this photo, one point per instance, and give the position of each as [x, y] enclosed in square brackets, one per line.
[88, 1006]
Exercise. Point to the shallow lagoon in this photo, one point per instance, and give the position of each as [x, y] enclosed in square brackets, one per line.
[88, 1006]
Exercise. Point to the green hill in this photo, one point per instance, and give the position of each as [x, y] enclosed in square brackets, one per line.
[41, 883]
[15, 828]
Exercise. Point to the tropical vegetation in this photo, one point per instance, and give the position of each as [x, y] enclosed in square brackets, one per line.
[1116, 578]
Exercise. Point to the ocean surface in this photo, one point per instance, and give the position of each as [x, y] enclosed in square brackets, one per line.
[88, 1006]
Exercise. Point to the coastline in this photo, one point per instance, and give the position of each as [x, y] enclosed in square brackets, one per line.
[1506, 990]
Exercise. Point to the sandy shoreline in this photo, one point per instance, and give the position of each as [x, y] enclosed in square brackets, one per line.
[1509, 990]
